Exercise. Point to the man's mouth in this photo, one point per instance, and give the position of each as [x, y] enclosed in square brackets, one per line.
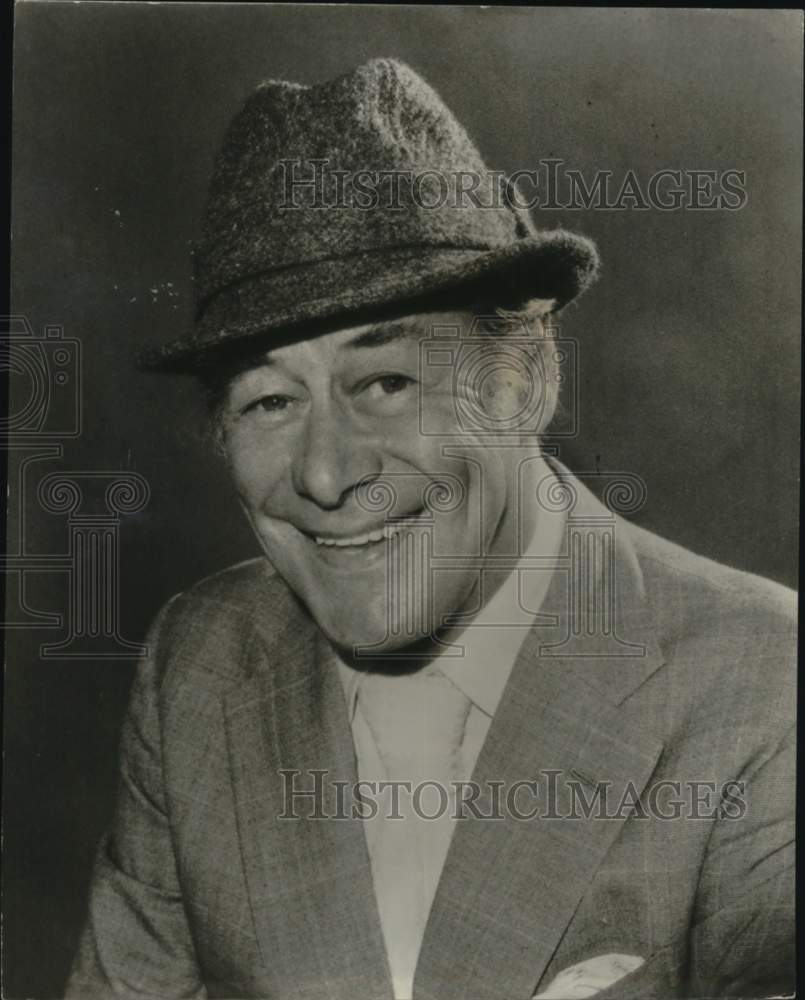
[368, 538]
[356, 540]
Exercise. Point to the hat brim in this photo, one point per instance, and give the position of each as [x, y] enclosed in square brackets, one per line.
[554, 264]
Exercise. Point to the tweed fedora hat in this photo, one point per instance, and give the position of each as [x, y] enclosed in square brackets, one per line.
[361, 192]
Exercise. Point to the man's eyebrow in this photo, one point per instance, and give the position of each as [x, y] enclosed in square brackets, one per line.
[385, 333]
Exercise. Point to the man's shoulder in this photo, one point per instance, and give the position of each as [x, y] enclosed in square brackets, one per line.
[228, 595]
[678, 582]
[233, 585]
[728, 636]
[211, 625]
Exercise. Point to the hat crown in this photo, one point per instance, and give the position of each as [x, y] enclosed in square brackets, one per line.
[381, 115]
[380, 124]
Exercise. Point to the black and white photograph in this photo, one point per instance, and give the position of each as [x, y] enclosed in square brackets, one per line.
[402, 542]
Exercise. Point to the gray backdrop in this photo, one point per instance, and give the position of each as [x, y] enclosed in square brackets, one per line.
[688, 346]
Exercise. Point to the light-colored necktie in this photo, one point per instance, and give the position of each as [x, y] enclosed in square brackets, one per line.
[417, 722]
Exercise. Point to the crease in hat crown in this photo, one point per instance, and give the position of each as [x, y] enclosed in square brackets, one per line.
[271, 257]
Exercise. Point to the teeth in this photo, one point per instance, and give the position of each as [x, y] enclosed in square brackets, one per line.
[373, 536]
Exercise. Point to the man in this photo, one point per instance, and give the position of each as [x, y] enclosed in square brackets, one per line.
[588, 730]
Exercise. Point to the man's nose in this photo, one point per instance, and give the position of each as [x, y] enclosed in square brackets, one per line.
[335, 455]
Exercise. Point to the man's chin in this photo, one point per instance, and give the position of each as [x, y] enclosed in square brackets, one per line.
[365, 624]
[360, 638]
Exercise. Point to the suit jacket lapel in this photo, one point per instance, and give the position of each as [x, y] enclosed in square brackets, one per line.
[510, 887]
[309, 879]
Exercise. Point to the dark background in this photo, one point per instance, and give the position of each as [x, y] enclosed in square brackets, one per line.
[689, 347]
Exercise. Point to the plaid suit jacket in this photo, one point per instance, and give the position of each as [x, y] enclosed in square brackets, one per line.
[202, 889]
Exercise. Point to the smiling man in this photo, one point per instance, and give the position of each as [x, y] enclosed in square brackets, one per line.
[459, 731]
[314, 429]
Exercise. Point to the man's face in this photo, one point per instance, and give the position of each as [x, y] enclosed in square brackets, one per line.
[359, 476]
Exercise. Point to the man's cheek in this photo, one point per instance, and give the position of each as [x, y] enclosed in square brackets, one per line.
[256, 475]
[438, 411]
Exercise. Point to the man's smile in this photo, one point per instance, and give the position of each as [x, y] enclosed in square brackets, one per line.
[366, 537]
[358, 540]
[364, 548]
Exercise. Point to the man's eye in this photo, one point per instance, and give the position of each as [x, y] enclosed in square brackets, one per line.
[268, 404]
[389, 385]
